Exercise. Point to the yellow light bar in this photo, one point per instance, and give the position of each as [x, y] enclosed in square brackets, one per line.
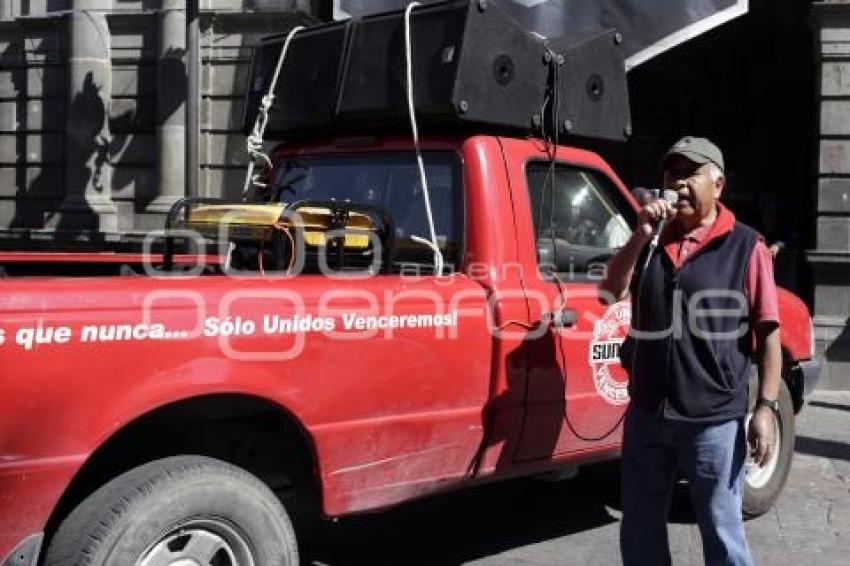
[315, 222]
[253, 222]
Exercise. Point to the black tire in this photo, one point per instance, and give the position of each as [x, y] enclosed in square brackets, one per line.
[763, 485]
[197, 506]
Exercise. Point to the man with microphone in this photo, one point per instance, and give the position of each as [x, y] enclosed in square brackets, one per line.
[703, 296]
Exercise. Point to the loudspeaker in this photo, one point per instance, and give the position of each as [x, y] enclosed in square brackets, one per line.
[474, 70]
[593, 95]
[307, 89]
[471, 66]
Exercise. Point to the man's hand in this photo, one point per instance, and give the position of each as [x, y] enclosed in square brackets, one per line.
[761, 435]
[761, 439]
[651, 214]
[621, 267]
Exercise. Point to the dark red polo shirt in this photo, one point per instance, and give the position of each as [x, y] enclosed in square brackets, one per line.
[760, 286]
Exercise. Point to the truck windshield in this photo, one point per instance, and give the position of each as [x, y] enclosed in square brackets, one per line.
[388, 180]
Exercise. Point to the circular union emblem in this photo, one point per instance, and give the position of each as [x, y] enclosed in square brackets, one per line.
[609, 332]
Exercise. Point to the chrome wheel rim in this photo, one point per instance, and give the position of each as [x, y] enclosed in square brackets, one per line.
[758, 477]
[202, 542]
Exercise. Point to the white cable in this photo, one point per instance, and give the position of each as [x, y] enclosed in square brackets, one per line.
[432, 243]
[254, 142]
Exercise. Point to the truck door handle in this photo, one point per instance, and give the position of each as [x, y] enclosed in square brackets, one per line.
[564, 318]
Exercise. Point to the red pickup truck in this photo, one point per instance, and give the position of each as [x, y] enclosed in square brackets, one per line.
[194, 415]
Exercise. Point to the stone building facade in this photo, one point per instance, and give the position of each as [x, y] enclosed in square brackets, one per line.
[92, 111]
[830, 260]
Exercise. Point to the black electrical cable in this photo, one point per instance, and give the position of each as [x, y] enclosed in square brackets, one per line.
[550, 140]
[570, 425]
[555, 63]
[551, 149]
[541, 204]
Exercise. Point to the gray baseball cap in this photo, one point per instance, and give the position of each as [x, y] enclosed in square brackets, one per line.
[698, 150]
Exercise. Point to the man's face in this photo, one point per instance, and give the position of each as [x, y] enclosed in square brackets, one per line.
[698, 193]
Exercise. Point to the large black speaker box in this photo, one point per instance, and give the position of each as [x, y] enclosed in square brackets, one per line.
[593, 94]
[474, 70]
[307, 89]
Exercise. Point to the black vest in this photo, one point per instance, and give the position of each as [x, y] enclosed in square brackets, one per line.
[697, 365]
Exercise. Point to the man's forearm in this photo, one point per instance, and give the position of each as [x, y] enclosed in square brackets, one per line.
[769, 355]
[621, 267]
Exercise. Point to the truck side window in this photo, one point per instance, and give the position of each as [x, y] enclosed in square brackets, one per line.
[389, 180]
[577, 220]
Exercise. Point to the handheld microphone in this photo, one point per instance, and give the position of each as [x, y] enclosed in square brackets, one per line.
[672, 197]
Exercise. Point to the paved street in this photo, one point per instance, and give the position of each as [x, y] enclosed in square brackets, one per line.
[529, 522]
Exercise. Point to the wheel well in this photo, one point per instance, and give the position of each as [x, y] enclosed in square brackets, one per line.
[793, 379]
[248, 432]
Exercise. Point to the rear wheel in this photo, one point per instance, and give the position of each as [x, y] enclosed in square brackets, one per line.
[180, 511]
[764, 484]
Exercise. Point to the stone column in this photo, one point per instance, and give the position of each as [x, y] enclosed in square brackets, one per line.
[830, 261]
[88, 175]
[170, 106]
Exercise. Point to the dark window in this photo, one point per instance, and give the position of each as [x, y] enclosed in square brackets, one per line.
[391, 181]
[579, 217]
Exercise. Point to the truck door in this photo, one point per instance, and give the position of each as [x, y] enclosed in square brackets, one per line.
[572, 215]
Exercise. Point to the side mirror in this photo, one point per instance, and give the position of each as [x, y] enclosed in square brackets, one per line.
[553, 255]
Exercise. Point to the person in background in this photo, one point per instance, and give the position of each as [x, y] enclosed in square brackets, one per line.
[777, 236]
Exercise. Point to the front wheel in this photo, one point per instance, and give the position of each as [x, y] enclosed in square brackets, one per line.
[764, 484]
[179, 510]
